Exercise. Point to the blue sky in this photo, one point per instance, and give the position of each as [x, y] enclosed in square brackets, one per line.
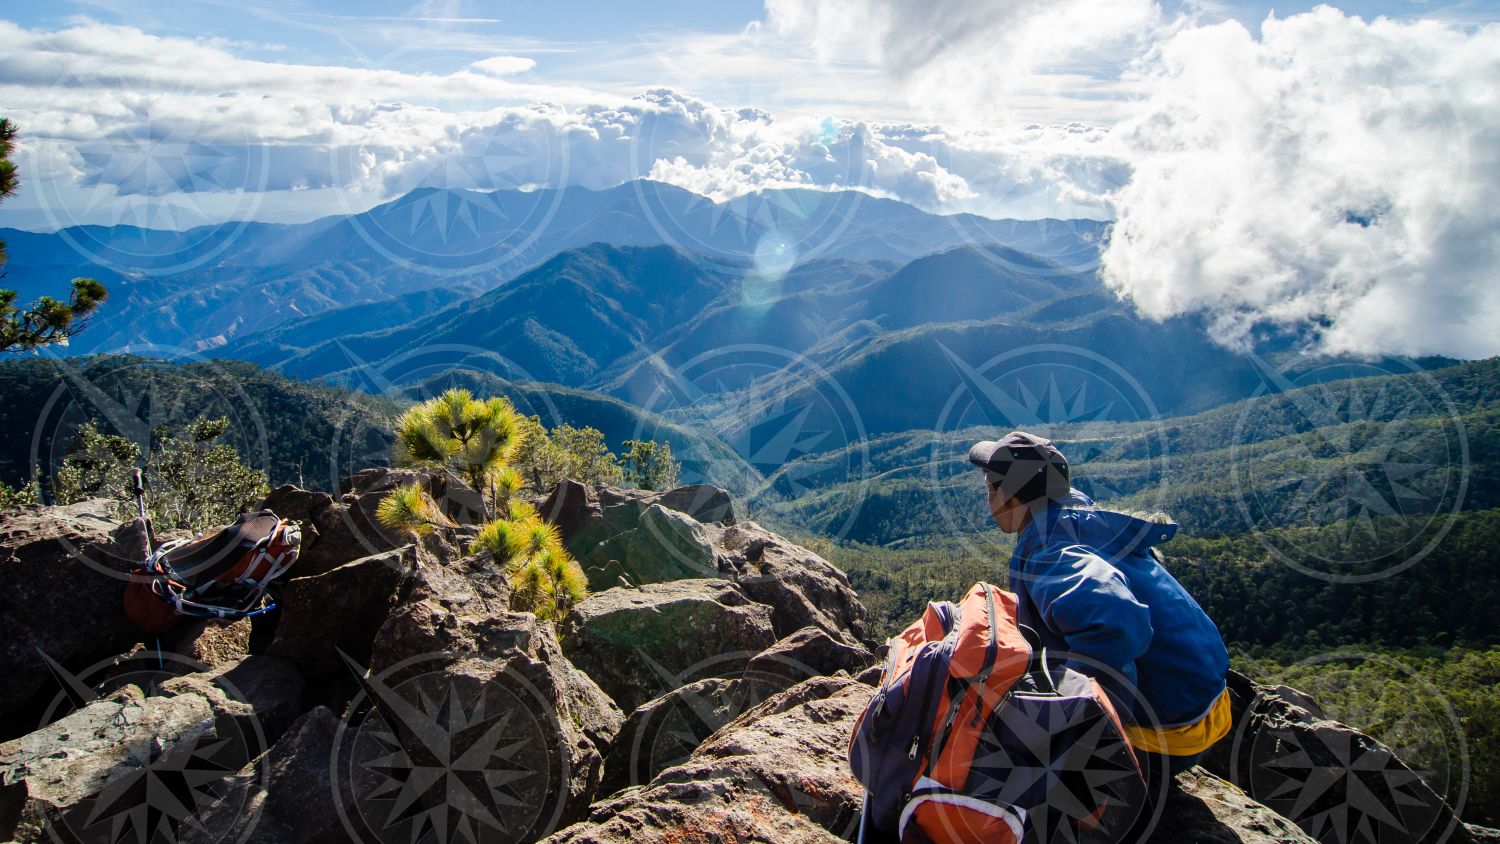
[593, 43]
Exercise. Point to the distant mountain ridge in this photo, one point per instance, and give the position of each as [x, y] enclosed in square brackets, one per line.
[202, 287]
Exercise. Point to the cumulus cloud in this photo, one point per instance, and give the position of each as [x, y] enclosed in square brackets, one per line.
[131, 117]
[1330, 175]
[1333, 174]
[965, 60]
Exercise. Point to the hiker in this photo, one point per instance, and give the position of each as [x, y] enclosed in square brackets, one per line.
[1092, 586]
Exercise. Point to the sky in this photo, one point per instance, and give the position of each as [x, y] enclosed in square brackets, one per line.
[1334, 166]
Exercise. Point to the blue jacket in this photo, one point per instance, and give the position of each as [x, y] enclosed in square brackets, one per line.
[1088, 584]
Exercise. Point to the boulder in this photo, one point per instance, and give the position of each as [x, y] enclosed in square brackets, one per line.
[490, 747]
[775, 773]
[134, 757]
[1330, 779]
[282, 797]
[663, 732]
[639, 643]
[633, 537]
[462, 607]
[217, 643]
[64, 576]
[803, 588]
[339, 610]
[808, 652]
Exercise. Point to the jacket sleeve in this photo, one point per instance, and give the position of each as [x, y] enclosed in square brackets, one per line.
[1083, 598]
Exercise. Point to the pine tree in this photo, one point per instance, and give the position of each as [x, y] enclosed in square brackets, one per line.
[48, 320]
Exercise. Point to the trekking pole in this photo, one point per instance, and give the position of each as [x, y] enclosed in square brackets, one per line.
[138, 487]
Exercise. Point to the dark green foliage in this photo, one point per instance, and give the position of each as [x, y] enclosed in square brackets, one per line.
[1261, 599]
[193, 481]
[548, 457]
[28, 493]
[48, 320]
[295, 432]
[650, 465]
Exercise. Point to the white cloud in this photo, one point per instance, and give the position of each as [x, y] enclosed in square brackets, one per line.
[115, 119]
[967, 61]
[1334, 174]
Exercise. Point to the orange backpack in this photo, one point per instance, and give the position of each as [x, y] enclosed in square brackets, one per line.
[974, 737]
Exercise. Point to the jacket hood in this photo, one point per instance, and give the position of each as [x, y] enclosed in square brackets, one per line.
[1108, 532]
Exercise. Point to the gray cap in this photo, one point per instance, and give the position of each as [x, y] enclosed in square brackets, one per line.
[1025, 466]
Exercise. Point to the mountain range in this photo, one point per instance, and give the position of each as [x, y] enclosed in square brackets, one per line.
[205, 287]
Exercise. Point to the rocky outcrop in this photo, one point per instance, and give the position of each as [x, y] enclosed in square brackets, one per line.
[775, 773]
[809, 652]
[1286, 754]
[336, 614]
[402, 695]
[632, 537]
[282, 797]
[639, 643]
[1203, 809]
[103, 760]
[662, 732]
[63, 573]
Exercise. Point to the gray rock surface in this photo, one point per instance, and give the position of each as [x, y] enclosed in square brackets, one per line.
[775, 773]
[64, 581]
[639, 643]
[691, 532]
[142, 751]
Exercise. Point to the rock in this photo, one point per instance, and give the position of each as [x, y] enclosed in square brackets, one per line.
[806, 653]
[335, 532]
[495, 739]
[1203, 809]
[663, 732]
[803, 588]
[462, 608]
[218, 643]
[632, 537]
[283, 797]
[638, 643]
[1278, 740]
[776, 773]
[109, 758]
[339, 610]
[64, 578]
